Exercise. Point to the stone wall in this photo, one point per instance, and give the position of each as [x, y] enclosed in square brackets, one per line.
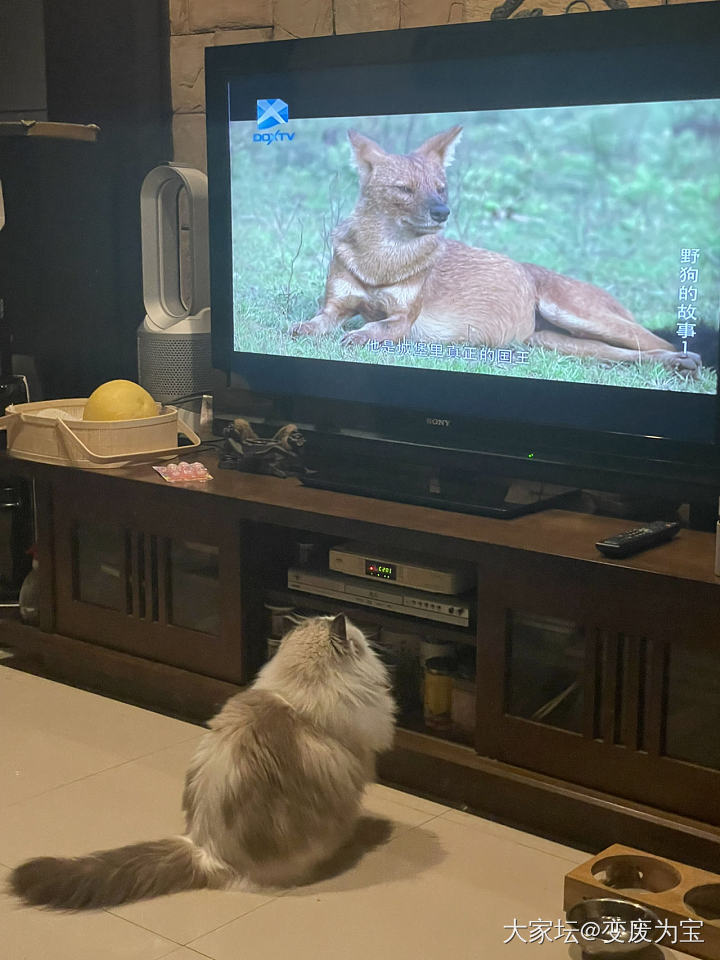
[196, 24]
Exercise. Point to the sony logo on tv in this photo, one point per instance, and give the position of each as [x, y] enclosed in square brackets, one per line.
[437, 422]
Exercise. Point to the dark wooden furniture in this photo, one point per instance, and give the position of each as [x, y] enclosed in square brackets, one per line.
[598, 681]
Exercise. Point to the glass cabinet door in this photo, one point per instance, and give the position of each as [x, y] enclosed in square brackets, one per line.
[587, 682]
[194, 586]
[692, 721]
[156, 578]
[150, 576]
[101, 564]
[545, 671]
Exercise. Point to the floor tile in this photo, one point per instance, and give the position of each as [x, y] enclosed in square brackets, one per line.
[30, 934]
[406, 799]
[441, 889]
[139, 800]
[186, 916]
[97, 774]
[381, 802]
[435, 890]
[518, 836]
[185, 953]
[54, 734]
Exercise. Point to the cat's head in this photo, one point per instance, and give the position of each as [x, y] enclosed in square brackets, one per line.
[320, 647]
[334, 640]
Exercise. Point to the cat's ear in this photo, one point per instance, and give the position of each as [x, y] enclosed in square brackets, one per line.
[339, 634]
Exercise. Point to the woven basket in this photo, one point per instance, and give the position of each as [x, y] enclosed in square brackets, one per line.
[92, 443]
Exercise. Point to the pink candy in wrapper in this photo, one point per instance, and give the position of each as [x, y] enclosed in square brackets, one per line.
[183, 472]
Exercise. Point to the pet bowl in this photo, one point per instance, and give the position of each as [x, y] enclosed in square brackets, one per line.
[600, 915]
[631, 872]
[704, 901]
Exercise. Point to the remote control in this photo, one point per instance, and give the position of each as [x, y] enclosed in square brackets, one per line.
[640, 538]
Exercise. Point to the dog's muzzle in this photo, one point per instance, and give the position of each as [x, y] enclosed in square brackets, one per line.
[439, 212]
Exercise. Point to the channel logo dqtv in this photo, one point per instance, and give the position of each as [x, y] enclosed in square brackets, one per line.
[270, 114]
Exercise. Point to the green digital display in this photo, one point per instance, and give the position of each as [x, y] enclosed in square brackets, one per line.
[383, 571]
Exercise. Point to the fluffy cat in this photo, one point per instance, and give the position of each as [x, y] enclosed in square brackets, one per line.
[273, 791]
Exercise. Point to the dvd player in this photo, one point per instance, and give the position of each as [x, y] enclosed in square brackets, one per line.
[381, 596]
[405, 569]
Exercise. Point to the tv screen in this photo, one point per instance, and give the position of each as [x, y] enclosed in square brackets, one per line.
[492, 221]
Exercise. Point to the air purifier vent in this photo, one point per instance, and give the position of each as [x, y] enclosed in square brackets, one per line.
[174, 366]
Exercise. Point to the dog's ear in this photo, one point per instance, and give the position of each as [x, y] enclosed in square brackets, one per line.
[367, 152]
[442, 146]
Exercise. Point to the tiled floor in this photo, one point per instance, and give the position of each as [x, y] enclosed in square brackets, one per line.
[79, 772]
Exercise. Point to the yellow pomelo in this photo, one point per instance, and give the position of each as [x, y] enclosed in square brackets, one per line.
[119, 400]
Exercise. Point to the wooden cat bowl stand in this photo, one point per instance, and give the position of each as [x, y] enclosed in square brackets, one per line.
[673, 891]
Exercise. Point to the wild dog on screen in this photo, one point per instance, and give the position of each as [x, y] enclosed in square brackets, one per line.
[392, 266]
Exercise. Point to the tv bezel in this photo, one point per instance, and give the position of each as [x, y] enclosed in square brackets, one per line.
[567, 453]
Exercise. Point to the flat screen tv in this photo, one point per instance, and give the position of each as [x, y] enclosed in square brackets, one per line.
[492, 241]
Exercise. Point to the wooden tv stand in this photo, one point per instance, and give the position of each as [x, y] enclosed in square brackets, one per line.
[598, 681]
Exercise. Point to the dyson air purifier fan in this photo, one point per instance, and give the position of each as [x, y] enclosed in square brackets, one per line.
[174, 359]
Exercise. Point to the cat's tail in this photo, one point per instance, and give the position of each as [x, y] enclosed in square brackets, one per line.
[111, 877]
